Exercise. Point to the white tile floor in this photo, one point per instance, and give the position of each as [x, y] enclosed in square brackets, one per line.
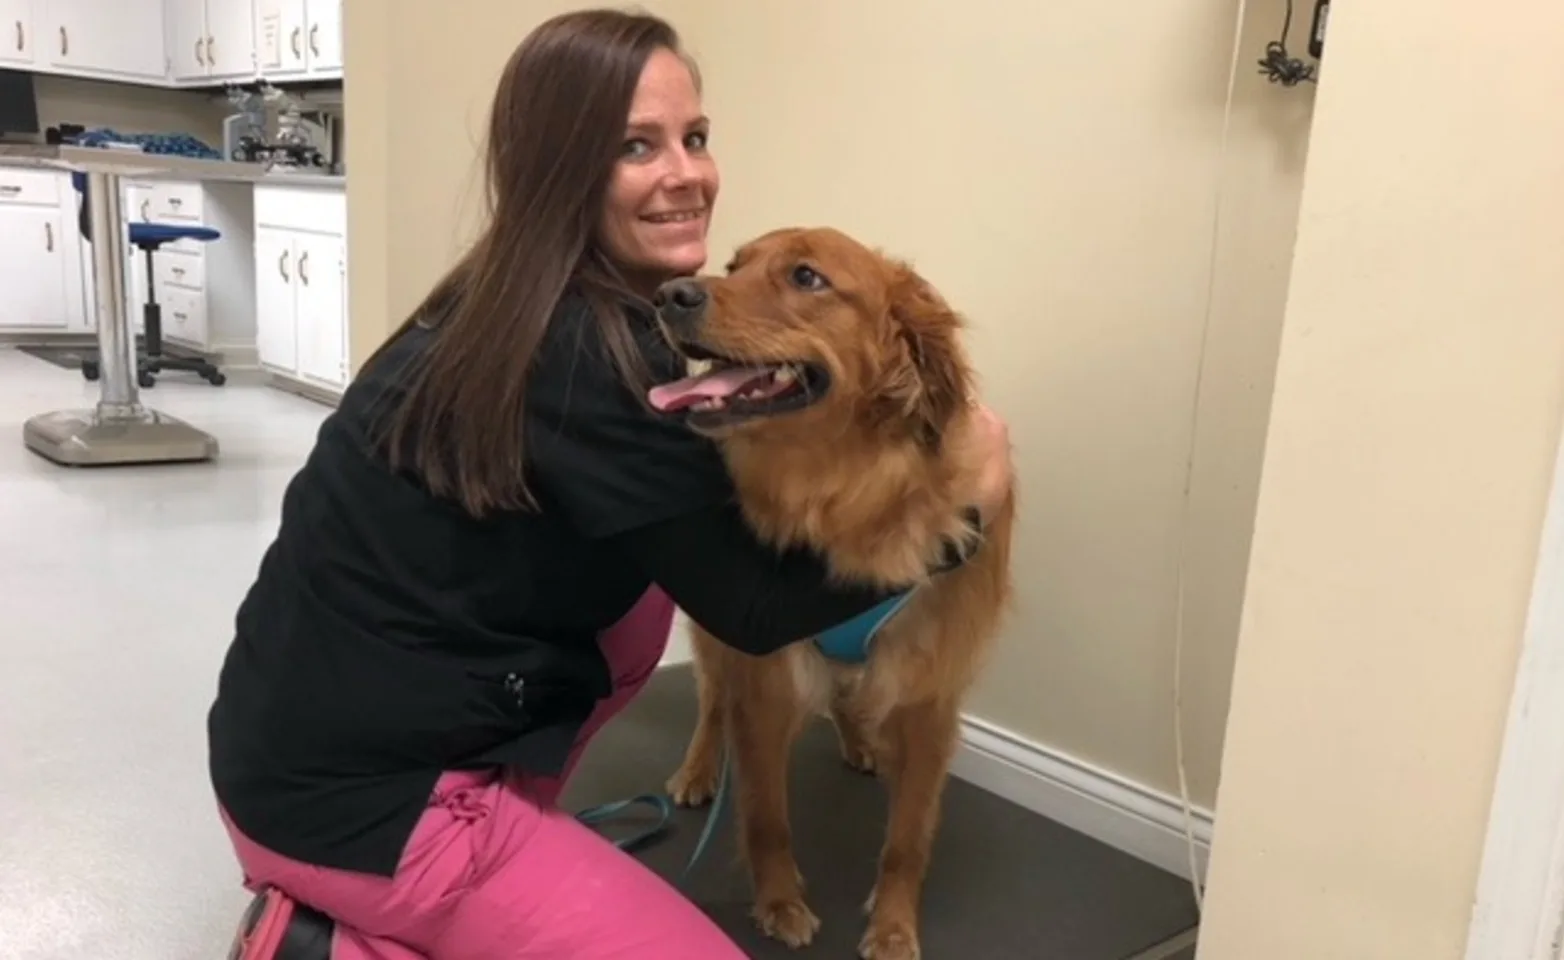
[117, 593]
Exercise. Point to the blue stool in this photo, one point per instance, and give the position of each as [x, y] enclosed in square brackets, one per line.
[149, 238]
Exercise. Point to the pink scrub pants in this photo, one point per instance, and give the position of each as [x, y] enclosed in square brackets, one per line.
[494, 871]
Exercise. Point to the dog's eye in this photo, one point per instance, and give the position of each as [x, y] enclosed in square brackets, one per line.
[805, 277]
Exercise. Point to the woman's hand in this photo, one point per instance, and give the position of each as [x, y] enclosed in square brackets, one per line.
[993, 445]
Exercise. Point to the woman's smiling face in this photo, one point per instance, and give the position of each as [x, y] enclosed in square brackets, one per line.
[658, 208]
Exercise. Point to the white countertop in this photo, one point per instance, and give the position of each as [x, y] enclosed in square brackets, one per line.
[156, 166]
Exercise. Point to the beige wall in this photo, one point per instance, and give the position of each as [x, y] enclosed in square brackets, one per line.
[1050, 167]
[1416, 414]
[129, 108]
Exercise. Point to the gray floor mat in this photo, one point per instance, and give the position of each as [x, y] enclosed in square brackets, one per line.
[1005, 884]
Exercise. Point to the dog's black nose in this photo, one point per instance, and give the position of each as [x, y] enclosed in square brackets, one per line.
[681, 299]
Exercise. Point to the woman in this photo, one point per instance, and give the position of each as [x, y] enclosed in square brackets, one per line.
[462, 587]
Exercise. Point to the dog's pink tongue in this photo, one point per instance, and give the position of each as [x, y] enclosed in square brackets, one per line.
[726, 382]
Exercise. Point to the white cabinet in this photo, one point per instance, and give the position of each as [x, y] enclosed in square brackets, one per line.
[123, 39]
[18, 32]
[175, 43]
[299, 39]
[40, 283]
[32, 268]
[301, 304]
[301, 284]
[211, 40]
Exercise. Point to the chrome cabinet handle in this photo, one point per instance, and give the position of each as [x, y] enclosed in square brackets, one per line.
[282, 265]
[48, 237]
[304, 259]
[65, 42]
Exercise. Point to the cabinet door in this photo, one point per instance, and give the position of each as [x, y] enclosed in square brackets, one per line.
[320, 274]
[32, 268]
[17, 20]
[230, 38]
[121, 39]
[282, 37]
[276, 314]
[325, 35]
[187, 56]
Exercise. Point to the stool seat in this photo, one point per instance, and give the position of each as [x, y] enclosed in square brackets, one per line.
[147, 236]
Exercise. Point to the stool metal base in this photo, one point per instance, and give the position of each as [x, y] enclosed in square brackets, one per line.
[83, 438]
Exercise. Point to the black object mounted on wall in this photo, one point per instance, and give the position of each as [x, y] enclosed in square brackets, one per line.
[1317, 29]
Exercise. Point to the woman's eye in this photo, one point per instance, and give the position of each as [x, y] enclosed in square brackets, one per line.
[697, 141]
[636, 148]
[805, 277]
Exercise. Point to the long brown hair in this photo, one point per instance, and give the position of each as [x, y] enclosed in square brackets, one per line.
[555, 133]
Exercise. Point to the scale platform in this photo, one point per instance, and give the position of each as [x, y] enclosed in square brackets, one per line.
[84, 438]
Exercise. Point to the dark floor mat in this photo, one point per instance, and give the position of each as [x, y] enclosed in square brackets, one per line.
[67, 357]
[70, 357]
[1005, 884]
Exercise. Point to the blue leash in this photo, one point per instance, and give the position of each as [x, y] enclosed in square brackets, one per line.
[592, 816]
[848, 642]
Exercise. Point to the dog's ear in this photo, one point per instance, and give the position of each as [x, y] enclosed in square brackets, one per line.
[931, 382]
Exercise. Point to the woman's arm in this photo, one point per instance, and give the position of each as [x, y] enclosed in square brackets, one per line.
[758, 600]
[742, 591]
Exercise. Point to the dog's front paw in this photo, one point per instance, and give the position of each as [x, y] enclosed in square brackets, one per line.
[890, 942]
[790, 921]
[693, 786]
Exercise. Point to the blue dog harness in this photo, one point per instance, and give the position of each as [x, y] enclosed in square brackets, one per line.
[850, 642]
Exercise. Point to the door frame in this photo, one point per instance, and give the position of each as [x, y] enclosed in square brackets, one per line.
[1518, 913]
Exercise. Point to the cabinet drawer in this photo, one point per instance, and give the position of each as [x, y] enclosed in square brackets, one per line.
[318, 210]
[184, 314]
[175, 201]
[177, 268]
[40, 187]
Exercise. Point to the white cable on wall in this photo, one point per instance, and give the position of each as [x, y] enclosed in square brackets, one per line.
[1189, 468]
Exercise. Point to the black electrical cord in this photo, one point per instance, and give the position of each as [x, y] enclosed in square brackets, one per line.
[1279, 66]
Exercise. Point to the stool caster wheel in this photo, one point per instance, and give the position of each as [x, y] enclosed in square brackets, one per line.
[89, 369]
[217, 379]
[146, 380]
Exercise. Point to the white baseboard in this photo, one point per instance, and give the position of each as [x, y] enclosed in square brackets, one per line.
[1128, 816]
[1125, 815]
[238, 356]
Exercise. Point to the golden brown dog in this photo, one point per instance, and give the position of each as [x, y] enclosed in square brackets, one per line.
[837, 387]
